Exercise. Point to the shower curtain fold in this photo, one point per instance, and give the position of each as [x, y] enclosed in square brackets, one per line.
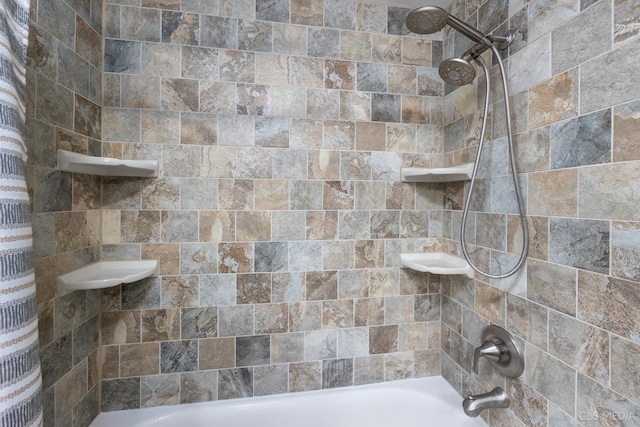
[20, 377]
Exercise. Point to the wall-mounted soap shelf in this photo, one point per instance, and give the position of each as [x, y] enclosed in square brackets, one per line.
[449, 174]
[105, 166]
[436, 263]
[105, 274]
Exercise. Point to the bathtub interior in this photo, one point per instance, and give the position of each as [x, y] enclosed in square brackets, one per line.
[407, 403]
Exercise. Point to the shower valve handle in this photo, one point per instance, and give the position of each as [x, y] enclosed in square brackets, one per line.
[488, 350]
[499, 348]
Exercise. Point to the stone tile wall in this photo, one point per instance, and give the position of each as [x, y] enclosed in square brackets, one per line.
[64, 103]
[574, 307]
[278, 217]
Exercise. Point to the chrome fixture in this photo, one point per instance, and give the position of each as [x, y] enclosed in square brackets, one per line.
[499, 348]
[496, 398]
[459, 72]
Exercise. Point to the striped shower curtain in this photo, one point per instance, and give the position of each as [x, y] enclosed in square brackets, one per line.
[20, 379]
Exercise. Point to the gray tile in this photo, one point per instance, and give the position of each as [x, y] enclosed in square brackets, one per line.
[552, 285]
[253, 350]
[256, 36]
[609, 303]
[386, 108]
[159, 390]
[178, 356]
[122, 56]
[491, 14]
[271, 256]
[56, 360]
[609, 79]
[235, 383]
[580, 345]
[340, 14]
[597, 405]
[585, 140]
[143, 294]
[219, 289]
[580, 243]
[527, 320]
[199, 323]
[323, 42]
[52, 191]
[396, 20]
[427, 308]
[599, 200]
[140, 24]
[593, 25]
[272, 10]
[625, 356]
[59, 19]
[270, 380]
[220, 32]
[198, 386]
[551, 378]
[120, 394]
[54, 103]
[372, 77]
[180, 28]
[235, 320]
[337, 373]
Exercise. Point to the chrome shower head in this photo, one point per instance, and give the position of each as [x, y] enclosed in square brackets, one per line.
[457, 71]
[430, 19]
[427, 20]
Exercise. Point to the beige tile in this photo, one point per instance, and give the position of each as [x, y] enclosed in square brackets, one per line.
[324, 164]
[217, 226]
[120, 327]
[217, 353]
[608, 303]
[370, 136]
[383, 339]
[167, 255]
[626, 121]
[139, 359]
[253, 226]
[416, 52]
[490, 302]
[235, 258]
[161, 325]
[553, 193]
[554, 100]
[272, 195]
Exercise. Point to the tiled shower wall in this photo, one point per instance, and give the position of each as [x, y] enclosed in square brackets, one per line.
[574, 307]
[277, 219]
[64, 98]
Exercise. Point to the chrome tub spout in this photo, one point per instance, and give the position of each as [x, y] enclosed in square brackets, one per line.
[496, 398]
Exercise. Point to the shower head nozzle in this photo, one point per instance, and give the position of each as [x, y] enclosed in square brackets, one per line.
[457, 71]
[431, 19]
[427, 20]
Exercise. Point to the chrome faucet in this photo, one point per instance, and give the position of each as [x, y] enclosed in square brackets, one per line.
[500, 349]
[496, 398]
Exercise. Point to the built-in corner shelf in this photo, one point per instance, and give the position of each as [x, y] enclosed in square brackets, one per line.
[436, 263]
[106, 166]
[105, 274]
[454, 173]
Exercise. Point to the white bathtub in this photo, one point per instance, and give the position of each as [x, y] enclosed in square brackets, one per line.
[426, 402]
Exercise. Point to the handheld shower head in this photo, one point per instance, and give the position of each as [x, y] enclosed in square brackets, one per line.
[430, 19]
[457, 71]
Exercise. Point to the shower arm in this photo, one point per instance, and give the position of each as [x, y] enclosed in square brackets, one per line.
[501, 42]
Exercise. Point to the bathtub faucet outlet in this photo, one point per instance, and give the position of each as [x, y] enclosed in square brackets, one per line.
[496, 398]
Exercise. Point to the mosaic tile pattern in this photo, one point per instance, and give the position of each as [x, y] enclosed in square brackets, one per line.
[278, 216]
[571, 305]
